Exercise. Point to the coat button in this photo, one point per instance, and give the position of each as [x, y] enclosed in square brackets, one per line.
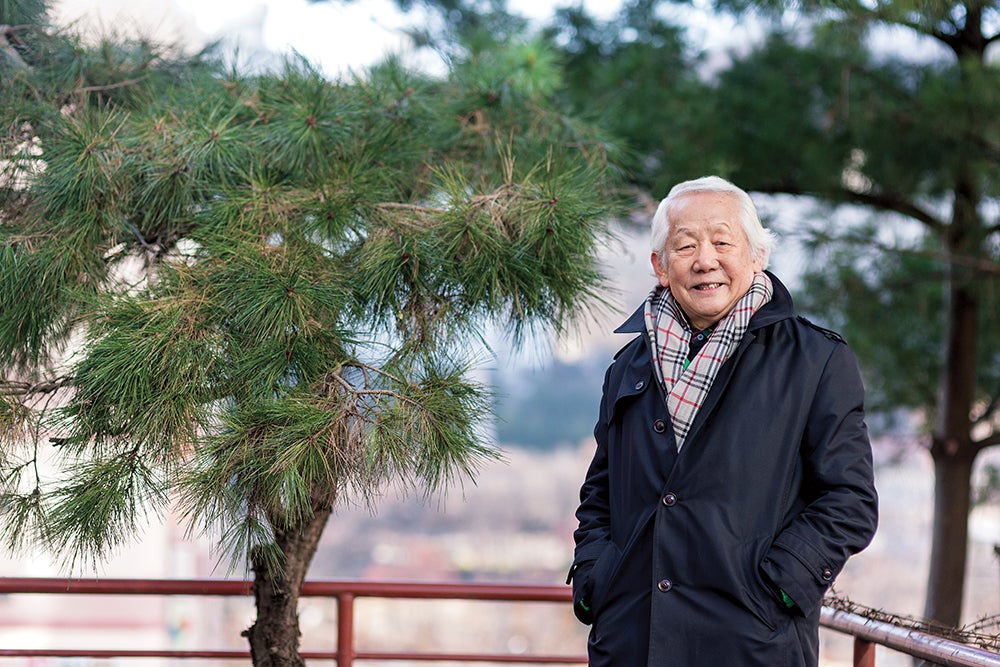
[664, 585]
[639, 385]
[827, 574]
[659, 426]
[670, 499]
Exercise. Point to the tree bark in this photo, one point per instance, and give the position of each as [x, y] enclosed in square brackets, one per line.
[274, 635]
[949, 542]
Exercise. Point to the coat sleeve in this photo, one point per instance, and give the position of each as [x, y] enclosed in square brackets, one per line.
[593, 514]
[841, 513]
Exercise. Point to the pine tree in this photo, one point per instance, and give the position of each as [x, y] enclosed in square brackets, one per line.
[247, 298]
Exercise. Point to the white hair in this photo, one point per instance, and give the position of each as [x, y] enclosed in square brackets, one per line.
[761, 240]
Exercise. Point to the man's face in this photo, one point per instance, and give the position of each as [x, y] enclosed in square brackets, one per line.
[709, 266]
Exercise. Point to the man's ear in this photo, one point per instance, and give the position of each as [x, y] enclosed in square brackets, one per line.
[659, 269]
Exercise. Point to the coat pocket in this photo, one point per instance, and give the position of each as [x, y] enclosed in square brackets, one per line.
[601, 575]
[759, 594]
[761, 605]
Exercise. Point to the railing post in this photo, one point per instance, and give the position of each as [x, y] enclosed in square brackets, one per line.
[345, 630]
[864, 653]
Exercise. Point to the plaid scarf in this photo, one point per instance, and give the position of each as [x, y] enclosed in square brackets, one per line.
[687, 384]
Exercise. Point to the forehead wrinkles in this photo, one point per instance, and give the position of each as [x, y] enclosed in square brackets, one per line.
[709, 227]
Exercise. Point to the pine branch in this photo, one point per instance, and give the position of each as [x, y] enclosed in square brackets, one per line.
[111, 86]
[99, 507]
[27, 389]
[985, 266]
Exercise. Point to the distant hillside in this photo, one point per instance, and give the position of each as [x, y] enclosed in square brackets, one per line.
[552, 407]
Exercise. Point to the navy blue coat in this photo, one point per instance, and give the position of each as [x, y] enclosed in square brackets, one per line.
[680, 557]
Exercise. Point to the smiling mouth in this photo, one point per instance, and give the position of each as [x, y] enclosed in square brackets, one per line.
[707, 286]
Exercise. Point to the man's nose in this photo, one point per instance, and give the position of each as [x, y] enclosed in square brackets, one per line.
[706, 257]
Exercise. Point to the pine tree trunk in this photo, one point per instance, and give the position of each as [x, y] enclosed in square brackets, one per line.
[952, 448]
[274, 636]
[946, 580]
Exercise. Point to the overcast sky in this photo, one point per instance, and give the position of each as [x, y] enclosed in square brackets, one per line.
[334, 35]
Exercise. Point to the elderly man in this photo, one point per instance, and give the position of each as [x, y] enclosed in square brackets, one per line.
[733, 475]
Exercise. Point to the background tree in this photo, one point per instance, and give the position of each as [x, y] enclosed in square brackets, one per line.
[246, 298]
[916, 141]
[821, 108]
[816, 110]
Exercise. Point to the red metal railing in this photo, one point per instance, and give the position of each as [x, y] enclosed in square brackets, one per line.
[867, 632]
[345, 593]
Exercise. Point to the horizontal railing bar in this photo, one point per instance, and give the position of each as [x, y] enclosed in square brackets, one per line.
[57, 585]
[308, 655]
[232, 587]
[333, 589]
[908, 640]
[137, 653]
[474, 657]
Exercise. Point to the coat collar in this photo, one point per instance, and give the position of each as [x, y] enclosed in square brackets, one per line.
[778, 308]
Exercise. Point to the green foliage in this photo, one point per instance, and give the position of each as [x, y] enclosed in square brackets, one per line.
[887, 306]
[22, 12]
[465, 26]
[633, 74]
[139, 384]
[832, 119]
[820, 112]
[100, 505]
[26, 518]
[776, 117]
[263, 294]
